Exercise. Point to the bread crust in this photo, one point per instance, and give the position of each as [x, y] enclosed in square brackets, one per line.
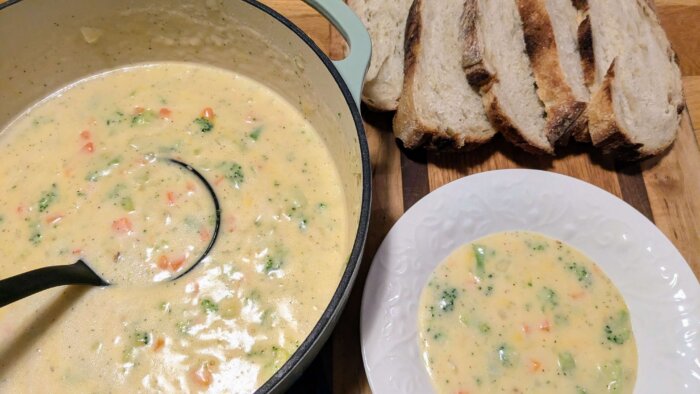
[552, 88]
[606, 133]
[481, 78]
[407, 126]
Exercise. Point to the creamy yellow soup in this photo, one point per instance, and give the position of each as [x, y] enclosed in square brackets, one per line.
[85, 175]
[520, 312]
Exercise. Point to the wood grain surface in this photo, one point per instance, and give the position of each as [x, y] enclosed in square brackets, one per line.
[665, 189]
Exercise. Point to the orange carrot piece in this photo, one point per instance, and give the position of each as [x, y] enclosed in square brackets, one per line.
[164, 113]
[163, 262]
[204, 234]
[176, 264]
[54, 218]
[544, 326]
[535, 366]
[526, 328]
[208, 113]
[89, 147]
[158, 344]
[85, 134]
[171, 198]
[138, 110]
[122, 225]
[201, 376]
[191, 187]
[577, 295]
[77, 251]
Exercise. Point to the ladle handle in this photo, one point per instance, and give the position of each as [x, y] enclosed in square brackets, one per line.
[28, 283]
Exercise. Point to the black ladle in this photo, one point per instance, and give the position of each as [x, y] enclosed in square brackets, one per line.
[79, 273]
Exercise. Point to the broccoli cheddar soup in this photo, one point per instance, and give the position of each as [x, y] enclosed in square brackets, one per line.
[519, 312]
[85, 174]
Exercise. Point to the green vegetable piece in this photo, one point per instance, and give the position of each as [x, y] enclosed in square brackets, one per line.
[144, 117]
[209, 306]
[47, 198]
[484, 328]
[255, 133]
[272, 263]
[234, 173]
[480, 254]
[184, 326]
[582, 274]
[567, 364]
[205, 125]
[35, 238]
[127, 203]
[618, 330]
[93, 176]
[507, 355]
[548, 298]
[613, 376]
[142, 338]
[581, 390]
[116, 118]
[447, 300]
[536, 245]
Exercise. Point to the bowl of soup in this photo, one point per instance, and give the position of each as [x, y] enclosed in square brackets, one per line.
[99, 97]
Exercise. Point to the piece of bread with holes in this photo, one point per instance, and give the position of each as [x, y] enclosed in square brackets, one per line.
[386, 23]
[511, 57]
[438, 109]
[637, 100]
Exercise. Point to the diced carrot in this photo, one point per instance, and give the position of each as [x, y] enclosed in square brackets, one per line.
[526, 328]
[201, 375]
[204, 234]
[577, 295]
[164, 113]
[231, 223]
[85, 134]
[177, 263]
[20, 209]
[158, 344]
[191, 187]
[167, 264]
[54, 218]
[171, 198]
[208, 113]
[535, 366]
[163, 262]
[89, 147]
[138, 110]
[122, 225]
[544, 326]
[217, 180]
[77, 251]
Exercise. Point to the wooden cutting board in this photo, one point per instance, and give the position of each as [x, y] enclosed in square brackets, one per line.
[665, 189]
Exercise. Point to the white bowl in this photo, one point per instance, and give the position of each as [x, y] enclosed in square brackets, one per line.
[662, 293]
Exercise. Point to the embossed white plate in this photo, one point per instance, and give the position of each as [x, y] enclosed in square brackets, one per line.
[661, 291]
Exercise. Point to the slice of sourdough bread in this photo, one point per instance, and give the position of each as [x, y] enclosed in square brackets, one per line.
[637, 92]
[551, 64]
[566, 17]
[517, 70]
[386, 23]
[438, 108]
